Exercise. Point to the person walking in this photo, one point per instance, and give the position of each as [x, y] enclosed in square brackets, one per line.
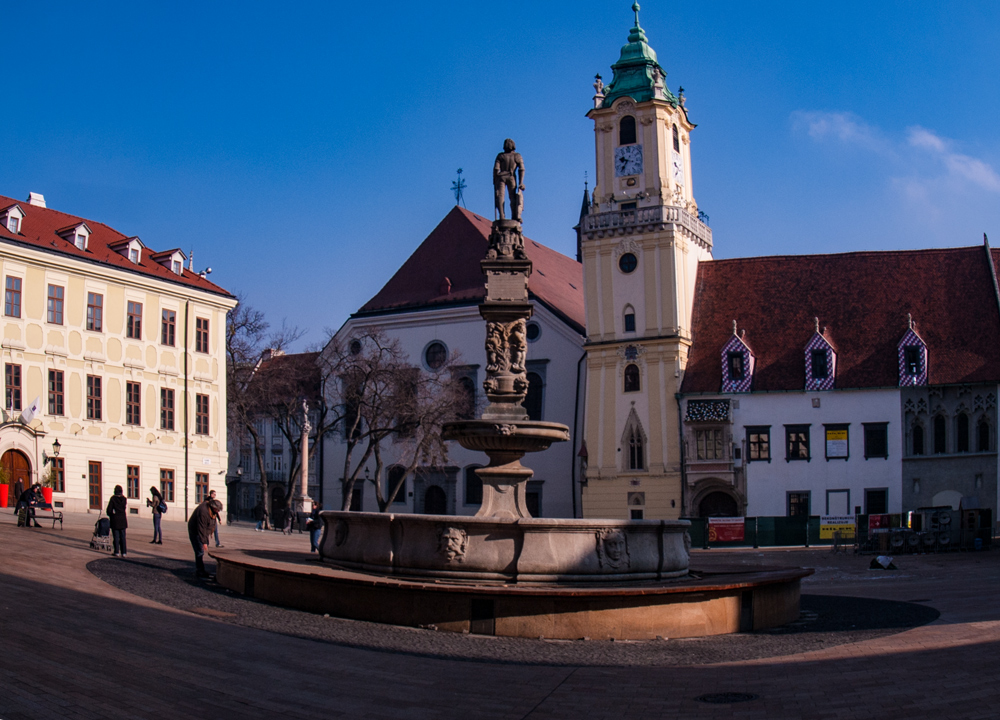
[315, 527]
[211, 496]
[201, 525]
[117, 511]
[18, 492]
[260, 515]
[159, 507]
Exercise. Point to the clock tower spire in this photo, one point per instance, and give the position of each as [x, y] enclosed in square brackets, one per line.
[641, 243]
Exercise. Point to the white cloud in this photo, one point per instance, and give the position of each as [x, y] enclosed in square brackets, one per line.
[840, 126]
[958, 166]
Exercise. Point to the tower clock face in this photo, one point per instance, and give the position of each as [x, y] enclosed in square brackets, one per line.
[628, 160]
[678, 168]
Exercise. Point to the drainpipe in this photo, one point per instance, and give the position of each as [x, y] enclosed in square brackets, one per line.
[187, 439]
[576, 415]
[680, 431]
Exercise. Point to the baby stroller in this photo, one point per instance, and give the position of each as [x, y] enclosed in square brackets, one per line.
[102, 535]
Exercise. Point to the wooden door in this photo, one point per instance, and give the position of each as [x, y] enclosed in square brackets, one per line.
[94, 485]
[18, 468]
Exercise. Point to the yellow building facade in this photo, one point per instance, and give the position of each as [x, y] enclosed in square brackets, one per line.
[124, 350]
[641, 243]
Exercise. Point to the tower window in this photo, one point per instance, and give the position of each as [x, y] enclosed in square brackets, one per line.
[629, 320]
[636, 456]
[677, 140]
[626, 130]
[631, 378]
[627, 263]
[737, 369]
[911, 360]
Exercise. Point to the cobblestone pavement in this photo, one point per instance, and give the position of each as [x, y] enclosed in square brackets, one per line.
[78, 647]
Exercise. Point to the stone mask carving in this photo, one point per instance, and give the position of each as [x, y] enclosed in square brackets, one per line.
[452, 543]
[612, 549]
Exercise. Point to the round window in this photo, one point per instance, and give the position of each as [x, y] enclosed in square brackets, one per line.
[435, 355]
[355, 347]
[627, 262]
[534, 331]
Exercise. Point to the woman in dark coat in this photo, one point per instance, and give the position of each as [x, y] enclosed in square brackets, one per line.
[118, 515]
[156, 502]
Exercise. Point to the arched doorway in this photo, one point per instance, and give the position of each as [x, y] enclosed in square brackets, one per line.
[718, 504]
[17, 467]
[435, 501]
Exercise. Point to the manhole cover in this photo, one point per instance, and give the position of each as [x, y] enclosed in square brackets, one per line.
[726, 697]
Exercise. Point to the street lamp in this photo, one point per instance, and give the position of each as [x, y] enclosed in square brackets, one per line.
[55, 447]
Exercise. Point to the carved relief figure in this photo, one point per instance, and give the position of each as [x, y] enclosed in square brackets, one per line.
[452, 543]
[518, 339]
[508, 172]
[612, 549]
[340, 532]
[495, 350]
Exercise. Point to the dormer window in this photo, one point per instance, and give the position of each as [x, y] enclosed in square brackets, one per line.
[172, 260]
[820, 361]
[78, 234]
[912, 351]
[737, 365]
[12, 218]
[131, 248]
[820, 366]
[133, 255]
[734, 362]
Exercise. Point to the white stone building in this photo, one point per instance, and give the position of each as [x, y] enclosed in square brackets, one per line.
[431, 306]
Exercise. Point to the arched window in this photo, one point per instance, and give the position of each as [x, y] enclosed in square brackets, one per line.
[533, 400]
[677, 140]
[629, 319]
[626, 130]
[983, 435]
[636, 454]
[940, 436]
[397, 474]
[918, 438]
[631, 378]
[962, 433]
[467, 407]
[473, 486]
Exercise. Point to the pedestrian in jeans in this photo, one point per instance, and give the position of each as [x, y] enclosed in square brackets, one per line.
[117, 511]
[260, 515]
[156, 502]
[211, 496]
[315, 527]
[201, 525]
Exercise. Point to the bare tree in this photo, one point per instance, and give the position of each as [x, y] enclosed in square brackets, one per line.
[249, 343]
[386, 399]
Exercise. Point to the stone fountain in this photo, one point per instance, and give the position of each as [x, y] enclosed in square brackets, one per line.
[503, 572]
[502, 542]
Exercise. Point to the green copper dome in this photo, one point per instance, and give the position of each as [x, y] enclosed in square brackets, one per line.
[637, 74]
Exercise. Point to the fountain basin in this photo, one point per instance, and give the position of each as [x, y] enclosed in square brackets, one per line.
[522, 436]
[522, 550]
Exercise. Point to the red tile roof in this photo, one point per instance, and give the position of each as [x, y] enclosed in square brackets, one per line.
[453, 251]
[863, 300]
[40, 230]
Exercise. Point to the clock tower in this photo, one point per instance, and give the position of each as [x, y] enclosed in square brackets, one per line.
[641, 244]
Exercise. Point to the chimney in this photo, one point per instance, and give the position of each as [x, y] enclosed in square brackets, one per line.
[36, 199]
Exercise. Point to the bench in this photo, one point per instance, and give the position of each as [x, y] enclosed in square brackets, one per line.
[44, 511]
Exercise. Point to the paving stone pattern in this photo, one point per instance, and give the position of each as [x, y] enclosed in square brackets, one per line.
[78, 647]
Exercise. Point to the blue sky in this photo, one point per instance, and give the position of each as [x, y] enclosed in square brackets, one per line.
[304, 150]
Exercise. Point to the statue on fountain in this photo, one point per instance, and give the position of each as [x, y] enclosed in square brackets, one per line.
[508, 173]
